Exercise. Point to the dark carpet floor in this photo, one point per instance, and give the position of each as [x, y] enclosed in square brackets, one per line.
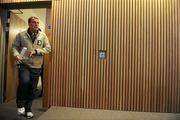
[8, 110]
[67, 113]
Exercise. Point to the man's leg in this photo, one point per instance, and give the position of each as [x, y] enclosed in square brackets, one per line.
[24, 77]
[34, 77]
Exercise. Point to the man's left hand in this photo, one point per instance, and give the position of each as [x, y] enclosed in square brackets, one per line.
[31, 53]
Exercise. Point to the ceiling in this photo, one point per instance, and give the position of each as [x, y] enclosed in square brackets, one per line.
[24, 14]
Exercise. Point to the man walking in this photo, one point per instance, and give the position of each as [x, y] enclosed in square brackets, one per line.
[28, 49]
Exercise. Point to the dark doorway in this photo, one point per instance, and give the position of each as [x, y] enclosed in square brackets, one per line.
[17, 21]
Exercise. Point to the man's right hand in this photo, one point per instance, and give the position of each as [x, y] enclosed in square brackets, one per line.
[18, 59]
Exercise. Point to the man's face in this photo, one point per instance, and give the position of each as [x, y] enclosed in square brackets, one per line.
[34, 25]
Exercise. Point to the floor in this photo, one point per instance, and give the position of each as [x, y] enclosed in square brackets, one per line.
[64, 113]
[8, 110]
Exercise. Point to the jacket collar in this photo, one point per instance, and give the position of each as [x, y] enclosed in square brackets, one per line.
[29, 33]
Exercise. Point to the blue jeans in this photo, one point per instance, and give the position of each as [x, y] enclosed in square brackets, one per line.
[28, 80]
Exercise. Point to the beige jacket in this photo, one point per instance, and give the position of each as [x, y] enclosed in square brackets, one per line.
[41, 45]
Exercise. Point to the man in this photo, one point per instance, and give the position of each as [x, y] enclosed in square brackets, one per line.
[34, 44]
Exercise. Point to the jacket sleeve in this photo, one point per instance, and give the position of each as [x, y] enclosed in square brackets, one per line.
[16, 45]
[46, 47]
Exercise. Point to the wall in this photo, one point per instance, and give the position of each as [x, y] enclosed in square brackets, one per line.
[142, 42]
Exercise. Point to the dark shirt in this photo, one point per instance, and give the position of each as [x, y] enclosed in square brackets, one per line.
[32, 35]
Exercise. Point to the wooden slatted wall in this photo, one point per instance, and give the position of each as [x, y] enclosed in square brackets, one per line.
[141, 72]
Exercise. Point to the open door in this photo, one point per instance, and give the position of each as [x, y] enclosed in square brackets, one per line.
[18, 22]
[16, 25]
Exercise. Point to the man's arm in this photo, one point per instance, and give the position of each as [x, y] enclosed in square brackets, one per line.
[15, 47]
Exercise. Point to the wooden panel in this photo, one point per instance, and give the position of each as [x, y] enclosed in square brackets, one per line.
[16, 25]
[142, 42]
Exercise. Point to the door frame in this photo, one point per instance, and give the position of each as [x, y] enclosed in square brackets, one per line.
[29, 5]
[2, 52]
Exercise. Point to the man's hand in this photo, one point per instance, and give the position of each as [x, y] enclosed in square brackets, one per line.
[18, 59]
[31, 53]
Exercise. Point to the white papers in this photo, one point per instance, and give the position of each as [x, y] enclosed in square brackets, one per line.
[23, 53]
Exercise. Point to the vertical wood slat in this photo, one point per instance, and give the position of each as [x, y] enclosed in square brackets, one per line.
[141, 69]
